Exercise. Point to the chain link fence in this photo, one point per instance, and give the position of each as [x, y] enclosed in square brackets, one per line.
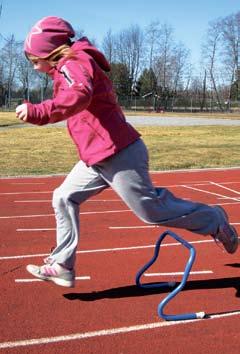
[158, 104]
[177, 104]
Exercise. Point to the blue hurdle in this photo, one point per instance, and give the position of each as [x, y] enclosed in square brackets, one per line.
[164, 302]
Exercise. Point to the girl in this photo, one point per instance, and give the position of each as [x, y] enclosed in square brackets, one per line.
[112, 153]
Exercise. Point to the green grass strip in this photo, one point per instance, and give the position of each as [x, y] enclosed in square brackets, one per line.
[50, 150]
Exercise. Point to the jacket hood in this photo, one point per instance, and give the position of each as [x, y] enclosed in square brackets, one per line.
[83, 44]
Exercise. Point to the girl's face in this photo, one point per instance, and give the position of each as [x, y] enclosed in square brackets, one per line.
[41, 65]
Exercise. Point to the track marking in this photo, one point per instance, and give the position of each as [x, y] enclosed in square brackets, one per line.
[23, 183]
[40, 192]
[133, 227]
[19, 193]
[82, 213]
[34, 230]
[36, 279]
[221, 186]
[110, 227]
[103, 250]
[145, 226]
[193, 170]
[228, 203]
[112, 200]
[178, 273]
[33, 201]
[212, 193]
[108, 332]
[202, 183]
[49, 201]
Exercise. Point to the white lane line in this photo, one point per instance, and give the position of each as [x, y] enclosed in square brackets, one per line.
[212, 193]
[34, 230]
[110, 227]
[223, 198]
[48, 215]
[23, 183]
[223, 187]
[103, 250]
[194, 170]
[194, 183]
[20, 193]
[104, 211]
[108, 331]
[49, 201]
[145, 226]
[133, 227]
[25, 216]
[228, 203]
[178, 273]
[33, 201]
[202, 183]
[36, 279]
[40, 192]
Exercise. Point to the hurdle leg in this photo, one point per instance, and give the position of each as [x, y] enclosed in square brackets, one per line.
[148, 265]
[165, 301]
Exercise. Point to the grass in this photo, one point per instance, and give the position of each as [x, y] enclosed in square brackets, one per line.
[193, 147]
[8, 118]
[36, 150]
[49, 150]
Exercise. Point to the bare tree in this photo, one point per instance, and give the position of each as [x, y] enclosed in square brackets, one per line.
[9, 60]
[211, 54]
[25, 72]
[163, 60]
[108, 45]
[171, 61]
[129, 51]
[152, 36]
[230, 27]
[221, 56]
[180, 66]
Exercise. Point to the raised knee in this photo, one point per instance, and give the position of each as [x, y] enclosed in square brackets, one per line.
[59, 198]
[149, 218]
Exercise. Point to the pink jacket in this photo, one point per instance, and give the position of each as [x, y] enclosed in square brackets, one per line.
[84, 96]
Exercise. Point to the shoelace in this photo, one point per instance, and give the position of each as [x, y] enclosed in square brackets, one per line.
[48, 260]
[218, 243]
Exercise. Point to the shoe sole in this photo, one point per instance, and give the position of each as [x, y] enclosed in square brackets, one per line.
[55, 280]
[235, 247]
[225, 215]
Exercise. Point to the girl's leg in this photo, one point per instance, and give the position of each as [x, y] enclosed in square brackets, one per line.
[127, 173]
[81, 183]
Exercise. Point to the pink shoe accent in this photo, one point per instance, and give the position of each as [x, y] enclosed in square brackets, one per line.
[48, 270]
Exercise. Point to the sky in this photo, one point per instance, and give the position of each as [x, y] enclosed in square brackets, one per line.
[188, 18]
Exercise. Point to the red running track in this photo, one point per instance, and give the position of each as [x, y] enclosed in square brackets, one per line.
[106, 312]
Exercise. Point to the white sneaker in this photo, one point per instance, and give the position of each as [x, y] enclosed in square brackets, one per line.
[227, 234]
[53, 272]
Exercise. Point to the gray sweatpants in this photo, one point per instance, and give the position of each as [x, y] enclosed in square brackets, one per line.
[127, 173]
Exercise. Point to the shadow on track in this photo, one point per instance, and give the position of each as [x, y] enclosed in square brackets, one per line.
[134, 291]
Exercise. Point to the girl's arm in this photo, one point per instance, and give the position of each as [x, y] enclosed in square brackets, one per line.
[73, 95]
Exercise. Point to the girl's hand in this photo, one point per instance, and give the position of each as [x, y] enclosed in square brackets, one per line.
[22, 112]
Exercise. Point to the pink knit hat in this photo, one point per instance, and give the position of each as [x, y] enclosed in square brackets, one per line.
[46, 35]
